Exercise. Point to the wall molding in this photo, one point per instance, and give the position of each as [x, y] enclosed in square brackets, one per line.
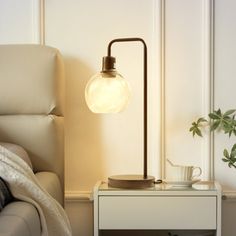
[207, 82]
[35, 9]
[212, 88]
[162, 75]
[42, 22]
[78, 196]
[229, 195]
[154, 89]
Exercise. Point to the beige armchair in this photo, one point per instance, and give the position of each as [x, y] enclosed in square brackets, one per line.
[31, 116]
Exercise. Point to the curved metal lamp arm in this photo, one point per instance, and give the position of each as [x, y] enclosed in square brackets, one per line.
[145, 106]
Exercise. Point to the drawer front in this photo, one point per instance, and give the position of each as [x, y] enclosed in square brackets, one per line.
[154, 212]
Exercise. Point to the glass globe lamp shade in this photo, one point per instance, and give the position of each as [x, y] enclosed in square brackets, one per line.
[107, 93]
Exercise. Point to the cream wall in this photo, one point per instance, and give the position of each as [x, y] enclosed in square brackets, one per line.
[187, 24]
[19, 21]
[191, 71]
[225, 81]
[95, 145]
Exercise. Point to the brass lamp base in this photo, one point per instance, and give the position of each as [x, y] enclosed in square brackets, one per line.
[131, 181]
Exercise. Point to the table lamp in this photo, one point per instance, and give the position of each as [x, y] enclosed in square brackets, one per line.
[108, 92]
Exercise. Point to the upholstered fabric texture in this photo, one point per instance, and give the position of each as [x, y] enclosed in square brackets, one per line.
[41, 136]
[32, 80]
[32, 104]
[50, 182]
[20, 219]
[19, 151]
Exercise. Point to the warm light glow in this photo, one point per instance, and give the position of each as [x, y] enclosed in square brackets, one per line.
[106, 94]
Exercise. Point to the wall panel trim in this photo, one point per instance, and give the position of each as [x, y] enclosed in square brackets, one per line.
[229, 195]
[207, 81]
[77, 196]
[154, 93]
[42, 22]
[163, 126]
[35, 9]
[207, 85]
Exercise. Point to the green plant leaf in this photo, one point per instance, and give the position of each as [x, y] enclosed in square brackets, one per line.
[227, 127]
[215, 125]
[198, 132]
[213, 116]
[218, 112]
[233, 121]
[226, 153]
[229, 112]
[195, 127]
[233, 159]
[191, 129]
[233, 154]
[200, 120]
[233, 148]
[224, 122]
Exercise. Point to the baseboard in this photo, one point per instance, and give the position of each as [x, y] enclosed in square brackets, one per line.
[74, 196]
[229, 195]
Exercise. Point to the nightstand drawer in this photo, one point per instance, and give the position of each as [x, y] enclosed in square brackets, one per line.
[157, 212]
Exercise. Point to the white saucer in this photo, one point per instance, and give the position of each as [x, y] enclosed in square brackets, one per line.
[182, 183]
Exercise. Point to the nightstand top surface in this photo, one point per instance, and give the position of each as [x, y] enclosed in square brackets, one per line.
[200, 188]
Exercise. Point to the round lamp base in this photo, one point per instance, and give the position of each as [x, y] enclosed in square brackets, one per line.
[131, 181]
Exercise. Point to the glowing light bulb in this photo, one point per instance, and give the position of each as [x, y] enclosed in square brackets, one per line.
[107, 93]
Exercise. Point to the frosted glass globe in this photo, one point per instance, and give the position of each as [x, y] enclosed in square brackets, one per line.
[104, 94]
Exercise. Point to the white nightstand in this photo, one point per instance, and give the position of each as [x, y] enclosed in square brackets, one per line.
[163, 207]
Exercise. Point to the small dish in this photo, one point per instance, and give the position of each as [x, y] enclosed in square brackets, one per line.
[178, 183]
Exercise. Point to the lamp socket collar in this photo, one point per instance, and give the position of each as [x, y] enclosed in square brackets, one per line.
[108, 64]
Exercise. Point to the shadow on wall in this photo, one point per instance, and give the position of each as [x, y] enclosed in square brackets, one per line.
[83, 146]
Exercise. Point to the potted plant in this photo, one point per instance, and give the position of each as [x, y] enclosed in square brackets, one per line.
[219, 121]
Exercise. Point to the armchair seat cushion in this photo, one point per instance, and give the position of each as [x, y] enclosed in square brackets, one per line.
[19, 219]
